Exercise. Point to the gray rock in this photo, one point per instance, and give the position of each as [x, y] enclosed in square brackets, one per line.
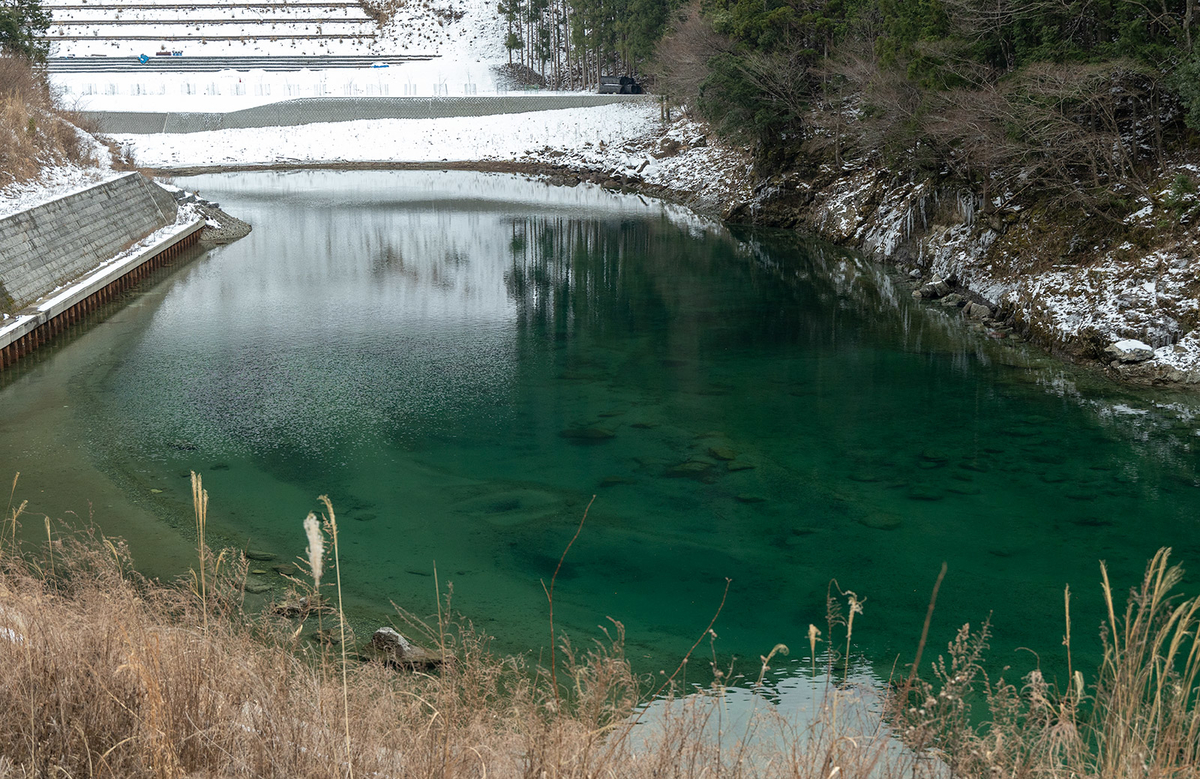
[396, 650]
[934, 289]
[390, 640]
[976, 311]
[1130, 350]
[953, 299]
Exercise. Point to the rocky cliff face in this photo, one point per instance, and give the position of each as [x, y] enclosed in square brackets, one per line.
[1129, 303]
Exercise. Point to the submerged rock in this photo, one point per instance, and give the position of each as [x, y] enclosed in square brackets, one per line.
[880, 521]
[587, 435]
[740, 465]
[693, 469]
[722, 453]
[923, 493]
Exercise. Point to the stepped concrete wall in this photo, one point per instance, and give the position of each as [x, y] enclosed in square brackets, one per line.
[57, 242]
[345, 109]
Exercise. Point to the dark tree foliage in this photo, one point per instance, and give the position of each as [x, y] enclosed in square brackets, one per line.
[22, 22]
[1080, 98]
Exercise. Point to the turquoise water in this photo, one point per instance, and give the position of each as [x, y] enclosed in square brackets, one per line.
[461, 361]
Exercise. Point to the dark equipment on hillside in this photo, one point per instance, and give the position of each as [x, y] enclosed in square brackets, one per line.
[619, 85]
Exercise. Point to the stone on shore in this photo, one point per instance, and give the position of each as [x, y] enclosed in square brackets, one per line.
[395, 649]
[1130, 350]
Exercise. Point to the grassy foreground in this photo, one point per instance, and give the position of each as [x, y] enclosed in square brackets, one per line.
[108, 674]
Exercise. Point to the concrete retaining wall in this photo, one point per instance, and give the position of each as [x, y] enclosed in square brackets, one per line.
[79, 303]
[345, 109]
[59, 241]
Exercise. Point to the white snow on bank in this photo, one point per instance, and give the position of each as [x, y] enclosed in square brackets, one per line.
[625, 140]
[678, 155]
[451, 139]
[55, 182]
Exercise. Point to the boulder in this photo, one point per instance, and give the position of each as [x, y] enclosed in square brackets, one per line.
[1130, 350]
[953, 299]
[395, 649]
[976, 311]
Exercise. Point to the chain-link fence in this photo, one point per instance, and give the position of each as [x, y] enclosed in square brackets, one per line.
[344, 109]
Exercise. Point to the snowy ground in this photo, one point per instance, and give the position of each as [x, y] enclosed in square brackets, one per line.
[54, 183]
[59, 180]
[500, 137]
[626, 139]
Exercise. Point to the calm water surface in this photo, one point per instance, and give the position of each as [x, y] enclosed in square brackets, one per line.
[462, 360]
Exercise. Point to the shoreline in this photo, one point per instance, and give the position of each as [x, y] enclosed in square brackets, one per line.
[913, 249]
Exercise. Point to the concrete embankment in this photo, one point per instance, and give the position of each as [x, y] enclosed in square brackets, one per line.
[290, 113]
[64, 258]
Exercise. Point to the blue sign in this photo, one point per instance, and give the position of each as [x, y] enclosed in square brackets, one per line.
[142, 58]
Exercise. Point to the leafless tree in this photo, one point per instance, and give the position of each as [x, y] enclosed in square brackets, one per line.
[683, 53]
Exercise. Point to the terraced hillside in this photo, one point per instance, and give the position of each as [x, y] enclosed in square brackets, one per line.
[208, 27]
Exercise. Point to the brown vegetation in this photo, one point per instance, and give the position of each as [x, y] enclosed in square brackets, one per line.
[108, 674]
[35, 131]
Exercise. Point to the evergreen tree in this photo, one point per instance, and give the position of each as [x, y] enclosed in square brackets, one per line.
[22, 23]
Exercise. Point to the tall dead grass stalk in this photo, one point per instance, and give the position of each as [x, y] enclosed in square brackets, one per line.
[200, 505]
[331, 524]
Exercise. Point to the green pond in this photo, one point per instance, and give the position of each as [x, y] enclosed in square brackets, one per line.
[462, 361]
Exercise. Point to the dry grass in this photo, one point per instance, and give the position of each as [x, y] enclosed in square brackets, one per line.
[110, 675]
[35, 131]
[1138, 718]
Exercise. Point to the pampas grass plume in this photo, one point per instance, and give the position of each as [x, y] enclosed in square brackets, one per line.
[316, 547]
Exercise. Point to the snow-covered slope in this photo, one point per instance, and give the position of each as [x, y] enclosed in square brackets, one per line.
[460, 40]
[452, 29]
